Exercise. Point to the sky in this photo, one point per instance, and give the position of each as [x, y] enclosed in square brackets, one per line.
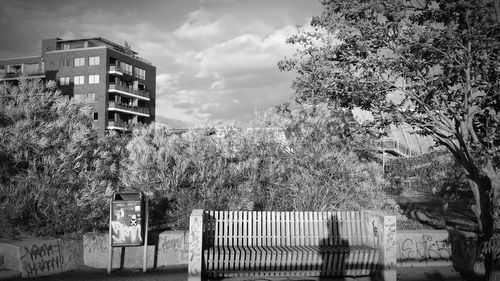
[215, 59]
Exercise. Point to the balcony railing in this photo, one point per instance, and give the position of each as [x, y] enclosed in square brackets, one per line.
[137, 109]
[396, 147]
[118, 124]
[16, 74]
[130, 54]
[141, 93]
[115, 68]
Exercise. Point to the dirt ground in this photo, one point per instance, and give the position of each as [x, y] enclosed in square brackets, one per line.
[88, 273]
[180, 274]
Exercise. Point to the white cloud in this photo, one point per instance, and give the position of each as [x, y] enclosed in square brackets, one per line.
[228, 80]
[197, 26]
[166, 82]
[247, 52]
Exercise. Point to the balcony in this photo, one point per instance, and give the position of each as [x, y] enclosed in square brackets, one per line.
[125, 108]
[11, 75]
[117, 125]
[115, 69]
[128, 91]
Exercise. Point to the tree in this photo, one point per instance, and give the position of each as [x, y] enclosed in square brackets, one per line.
[432, 64]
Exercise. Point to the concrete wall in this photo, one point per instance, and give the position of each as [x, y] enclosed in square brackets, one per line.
[96, 251]
[34, 258]
[173, 248]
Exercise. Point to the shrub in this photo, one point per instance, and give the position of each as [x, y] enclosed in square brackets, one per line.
[437, 171]
[54, 173]
[317, 167]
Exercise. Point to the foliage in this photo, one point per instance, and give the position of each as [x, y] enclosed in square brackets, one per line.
[492, 246]
[54, 174]
[437, 170]
[316, 167]
[330, 166]
[432, 64]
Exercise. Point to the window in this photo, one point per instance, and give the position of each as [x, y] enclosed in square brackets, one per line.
[65, 62]
[66, 46]
[63, 80]
[96, 116]
[16, 68]
[85, 97]
[31, 67]
[127, 68]
[94, 60]
[79, 62]
[79, 80]
[140, 73]
[94, 79]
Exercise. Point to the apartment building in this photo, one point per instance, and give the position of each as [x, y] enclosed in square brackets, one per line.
[119, 85]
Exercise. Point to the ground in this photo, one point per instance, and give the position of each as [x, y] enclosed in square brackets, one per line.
[180, 274]
[435, 213]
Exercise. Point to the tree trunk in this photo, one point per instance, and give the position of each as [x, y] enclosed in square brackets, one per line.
[486, 189]
[493, 176]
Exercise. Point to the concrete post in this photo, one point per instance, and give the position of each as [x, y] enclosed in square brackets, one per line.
[195, 245]
[380, 231]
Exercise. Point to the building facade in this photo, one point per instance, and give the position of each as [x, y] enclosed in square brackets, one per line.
[118, 85]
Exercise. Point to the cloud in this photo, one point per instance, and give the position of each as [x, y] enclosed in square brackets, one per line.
[215, 58]
[197, 26]
[244, 53]
[228, 80]
[166, 82]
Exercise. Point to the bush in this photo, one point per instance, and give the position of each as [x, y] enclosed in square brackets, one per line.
[57, 176]
[317, 167]
[437, 171]
[54, 173]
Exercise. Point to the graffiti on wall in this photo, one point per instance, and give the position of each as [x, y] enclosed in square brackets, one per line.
[424, 248]
[42, 259]
[390, 243]
[173, 248]
[174, 243]
[72, 252]
[195, 237]
[96, 243]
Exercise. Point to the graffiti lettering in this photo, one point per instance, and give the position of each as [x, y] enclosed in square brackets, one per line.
[390, 243]
[41, 258]
[195, 245]
[96, 243]
[171, 244]
[424, 249]
[411, 250]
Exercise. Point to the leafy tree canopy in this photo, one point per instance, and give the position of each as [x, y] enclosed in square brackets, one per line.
[432, 64]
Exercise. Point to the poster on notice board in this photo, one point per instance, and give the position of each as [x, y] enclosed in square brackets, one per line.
[126, 223]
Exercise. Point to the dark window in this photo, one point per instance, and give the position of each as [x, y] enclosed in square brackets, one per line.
[96, 116]
[65, 62]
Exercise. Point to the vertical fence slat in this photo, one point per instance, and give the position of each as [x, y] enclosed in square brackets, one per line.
[243, 243]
